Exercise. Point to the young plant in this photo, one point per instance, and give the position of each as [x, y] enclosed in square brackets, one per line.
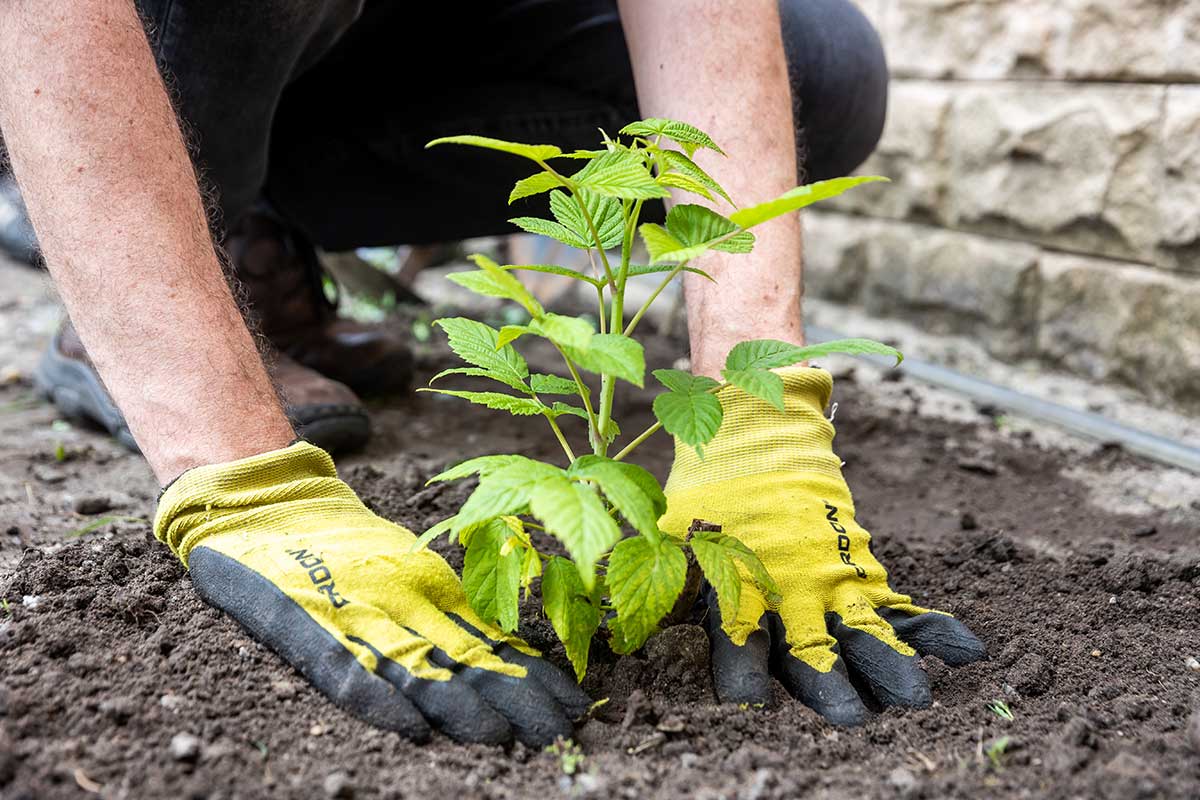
[626, 583]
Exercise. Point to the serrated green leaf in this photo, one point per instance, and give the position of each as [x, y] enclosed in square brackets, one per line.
[504, 491]
[619, 173]
[535, 152]
[474, 372]
[612, 353]
[481, 465]
[569, 607]
[517, 406]
[533, 185]
[510, 287]
[445, 526]
[510, 333]
[679, 381]
[606, 213]
[545, 227]
[798, 198]
[632, 490]
[573, 514]
[558, 409]
[554, 269]
[688, 411]
[674, 160]
[644, 579]
[696, 225]
[482, 283]
[853, 347]
[552, 384]
[564, 331]
[492, 580]
[689, 137]
[475, 343]
[653, 269]
[762, 354]
[712, 548]
[720, 569]
[758, 382]
[662, 246]
[677, 180]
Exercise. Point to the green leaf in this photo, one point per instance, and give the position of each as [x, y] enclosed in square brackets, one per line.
[653, 269]
[689, 137]
[762, 354]
[644, 579]
[517, 406]
[798, 198]
[719, 567]
[633, 490]
[619, 173]
[691, 232]
[445, 526]
[696, 225]
[570, 610]
[510, 333]
[508, 285]
[505, 490]
[545, 227]
[564, 331]
[481, 465]
[552, 384]
[492, 581]
[573, 514]
[533, 185]
[612, 353]
[474, 372]
[679, 181]
[554, 269]
[717, 553]
[678, 162]
[758, 382]
[606, 213]
[853, 347]
[536, 152]
[476, 344]
[688, 411]
[558, 409]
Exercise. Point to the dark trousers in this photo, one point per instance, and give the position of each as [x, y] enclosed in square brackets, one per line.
[324, 106]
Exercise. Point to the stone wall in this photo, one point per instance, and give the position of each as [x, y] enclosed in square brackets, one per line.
[1045, 158]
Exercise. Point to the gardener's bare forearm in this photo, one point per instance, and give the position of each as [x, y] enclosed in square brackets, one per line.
[720, 65]
[112, 194]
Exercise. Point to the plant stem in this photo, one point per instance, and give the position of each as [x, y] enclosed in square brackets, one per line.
[633, 323]
[608, 383]
[600, 307]
[561, 439]
[583, 395]
[643, 436]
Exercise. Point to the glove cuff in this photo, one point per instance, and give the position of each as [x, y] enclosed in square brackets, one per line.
[757, 438]
[201, 496]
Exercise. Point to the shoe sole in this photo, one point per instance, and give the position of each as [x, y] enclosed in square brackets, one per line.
[77, 392]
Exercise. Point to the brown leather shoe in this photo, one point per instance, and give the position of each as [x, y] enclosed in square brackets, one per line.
[278, 267]
[321, 410]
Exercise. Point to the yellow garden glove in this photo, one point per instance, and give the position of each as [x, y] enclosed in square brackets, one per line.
[771, 479]
[285, 548]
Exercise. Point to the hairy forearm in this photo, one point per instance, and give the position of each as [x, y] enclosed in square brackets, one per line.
[720, 65]
[112, 194]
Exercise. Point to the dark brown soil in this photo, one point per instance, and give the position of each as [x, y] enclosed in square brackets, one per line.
[107, 656]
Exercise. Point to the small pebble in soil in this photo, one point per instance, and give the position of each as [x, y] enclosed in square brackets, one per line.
[92, 504]
[1096, 654]
[1145, 530]
[1191, 663]
[185, 747]
[338, 785]
[171, 702]
[903, 781]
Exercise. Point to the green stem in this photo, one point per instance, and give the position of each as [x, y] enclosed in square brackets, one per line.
[646, 434]
[633, 323]
[608, 383]
[561, 439]
[593, 427]
[600, 308]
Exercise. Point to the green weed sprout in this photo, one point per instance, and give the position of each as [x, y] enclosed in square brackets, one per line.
[626, 583]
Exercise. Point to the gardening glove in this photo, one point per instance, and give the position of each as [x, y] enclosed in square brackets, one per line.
[289, 551]
[770, 479]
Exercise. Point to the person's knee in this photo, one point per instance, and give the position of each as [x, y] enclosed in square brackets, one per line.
[839, 82]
